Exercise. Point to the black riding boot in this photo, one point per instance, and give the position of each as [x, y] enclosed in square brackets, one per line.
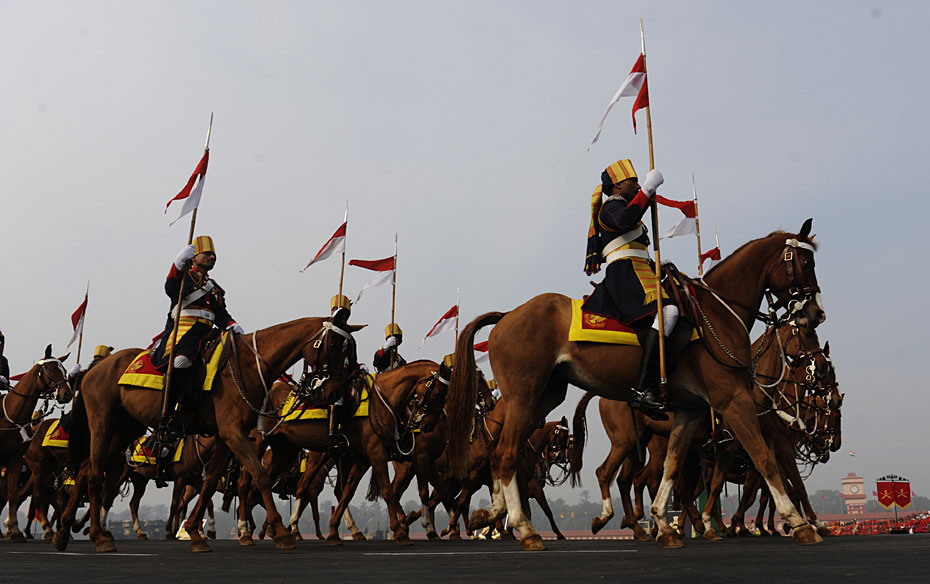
[337, 439]
[647, 396]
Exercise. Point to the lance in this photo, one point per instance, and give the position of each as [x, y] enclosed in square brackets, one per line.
[457, 310]
[394, 297]
[176, 310]
[81, 334]
[342, 269]
[697, 229]
[655, 230]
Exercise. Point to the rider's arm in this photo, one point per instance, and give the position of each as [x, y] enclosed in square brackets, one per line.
[616, 215]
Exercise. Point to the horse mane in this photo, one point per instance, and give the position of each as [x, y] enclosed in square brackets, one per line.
[780, 234]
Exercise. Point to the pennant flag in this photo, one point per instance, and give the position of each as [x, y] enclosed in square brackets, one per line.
[190, 194]
[635, 84]
[385, 268]
[683, 227]
[336, 244]
[714, 256]
[445, 323]
[885, 494]
[77, 321]
[902, 494]
[852, 452]
[483, 349]
[686, 207]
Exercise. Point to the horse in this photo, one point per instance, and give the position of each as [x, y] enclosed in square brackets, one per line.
[46, 379]
[534, 362]
[111, 415]
[373, 440]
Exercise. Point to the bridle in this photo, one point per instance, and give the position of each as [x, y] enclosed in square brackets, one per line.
[48, 391]
[432, 402]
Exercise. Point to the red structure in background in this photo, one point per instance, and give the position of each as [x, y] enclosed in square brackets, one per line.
[854, 494]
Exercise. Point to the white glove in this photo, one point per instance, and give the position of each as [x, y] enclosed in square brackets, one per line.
[236, 328]
[390, 342]
[184, 256]
[653, 181]
[75, 370]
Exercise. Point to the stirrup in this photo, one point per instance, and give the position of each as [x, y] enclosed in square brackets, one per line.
[654, 409]
[338, 441]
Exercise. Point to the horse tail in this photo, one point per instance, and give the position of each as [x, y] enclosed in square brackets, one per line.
[374, 491]
[580, 432]
[79, 435]
[463, 392]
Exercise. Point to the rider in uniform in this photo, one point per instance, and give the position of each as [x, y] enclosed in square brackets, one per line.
[387, 357]
[4, 366]
[628, 292]
[202, 308]
[337, 439]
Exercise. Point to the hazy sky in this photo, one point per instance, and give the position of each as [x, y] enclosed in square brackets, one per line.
[463, 127]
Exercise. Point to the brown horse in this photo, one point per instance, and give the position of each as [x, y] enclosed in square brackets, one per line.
[118, 414]
[372, 442]
[534, 362]
[47, 379]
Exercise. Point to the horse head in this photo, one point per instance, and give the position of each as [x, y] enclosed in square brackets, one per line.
[792, 279]
[429, 400]
[813, 372]
[559, 443]
[52, 377]
[331, 359]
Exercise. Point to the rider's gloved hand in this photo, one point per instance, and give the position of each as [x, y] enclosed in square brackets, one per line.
[654, 180]
[390, 342]
[236, 328]
[74, 370]
[184, 256]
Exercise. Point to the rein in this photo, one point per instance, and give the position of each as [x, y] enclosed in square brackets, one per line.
[25, 428]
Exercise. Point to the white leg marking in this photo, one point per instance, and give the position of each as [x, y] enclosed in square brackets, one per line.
[424, 518]
[660, 505]
[295, 514]
[350, 521]
[243, 526]
[607, 508]
[515, 514]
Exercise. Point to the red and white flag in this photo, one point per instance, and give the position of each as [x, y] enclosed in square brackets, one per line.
[385, 269]
[714, 256]
[686, 225]
[336, 244]
[77, 321]
[445, 323]
[635, 84]
[483, 349]
[190, 194]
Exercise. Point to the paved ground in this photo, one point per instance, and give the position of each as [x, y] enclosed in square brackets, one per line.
[886, 558]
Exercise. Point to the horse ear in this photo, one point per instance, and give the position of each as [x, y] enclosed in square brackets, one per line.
[48, 352]
[564, 421]
[826, 349]
[805, 229]
[352, 328]
[63, 359]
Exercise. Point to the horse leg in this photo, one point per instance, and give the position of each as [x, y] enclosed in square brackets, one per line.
[722, 465]
[14, 499]
[423, 471]
[301, 495]
[483, 517]
[96, 485]
[215, 468]
[764, 499]
[627, 483]
[211, 520]
[683, 430]
[175, 510]
[740, 414]
[605, 474]
[379, 470]
[346, 488]
[750, 487]
[138, 489]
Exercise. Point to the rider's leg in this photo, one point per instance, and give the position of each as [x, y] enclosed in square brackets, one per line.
[648, 396]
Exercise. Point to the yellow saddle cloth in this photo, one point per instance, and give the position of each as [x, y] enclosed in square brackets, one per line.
[142, 452]
[294, 412]
[141, 372]
[587, 326]
[56, 436]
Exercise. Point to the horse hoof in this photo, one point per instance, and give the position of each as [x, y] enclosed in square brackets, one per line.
[822, 531]
[246, 540]
[764, 533]
[806, 535]
[297, 536]
[456, 536]
[211, 534]
[731, 531]
[787, 528]
[403, 539]
[669, 541]
[745, 533]
[104, 547]
[479, 519]
[61, 539]
[86, 530]
[507, 535]
[641, 535]
[433, 536]
[559, 536]
[170, 536]
[598, 524]
[200, 547]
[142, 537]
[17, 537]
[28, 535]
[357, 536]
[333, 540]
[285, 542]
[532, 543]
[49, 535]
[712, 535]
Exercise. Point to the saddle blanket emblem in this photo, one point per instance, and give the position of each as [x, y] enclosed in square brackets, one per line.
[141, 372]
[56, 436]
[143, 453]
[296, 412]
[587, 326]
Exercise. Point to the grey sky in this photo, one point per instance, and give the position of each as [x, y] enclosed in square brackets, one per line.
[463, 126]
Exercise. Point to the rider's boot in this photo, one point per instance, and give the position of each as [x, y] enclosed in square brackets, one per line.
[337, 439]
[648, 396]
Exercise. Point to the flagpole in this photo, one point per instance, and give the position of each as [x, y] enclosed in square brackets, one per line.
[81, 335]
[342, 270]
[394, 296]
[177, 307]
[660, 318]
[457, 310]
[697, 226]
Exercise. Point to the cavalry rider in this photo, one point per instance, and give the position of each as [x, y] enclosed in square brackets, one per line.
[4, 366]
[202, 308]
[337, 410]
[628, 292]
[387, 357]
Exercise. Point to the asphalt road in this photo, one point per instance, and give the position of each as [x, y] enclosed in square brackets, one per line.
[880, 558]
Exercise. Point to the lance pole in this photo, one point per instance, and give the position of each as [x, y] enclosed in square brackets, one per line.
[697, 226]
[660, 318]
[457, 310]
[176, 310]
[342, 269]
[394, 297]
[81, 334]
